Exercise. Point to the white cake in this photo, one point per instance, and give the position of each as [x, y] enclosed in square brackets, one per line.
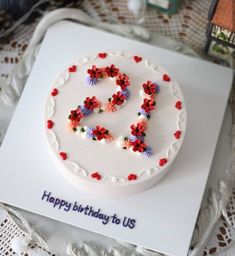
[115, 123]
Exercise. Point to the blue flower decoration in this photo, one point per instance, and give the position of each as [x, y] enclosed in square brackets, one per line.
[140, 138]
[132, 138]
[142, 112]
[148, 152]
[91, 81]
[126, 93]
[86, 111]
[89, 133]
[157, 88]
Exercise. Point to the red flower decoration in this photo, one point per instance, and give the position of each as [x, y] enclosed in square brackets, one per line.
[137, 59]
[166, 78]
[139, 146]
[178, 105]
[75, 123]
[100, 132]
[54, 92]
[132, 176]
[177, 134]
[72, 69]
[162, 161]
[111, 71]
[75, 117]
[94, 72]
[148, 105]
[137, 130]
[63, 155]
[91, 103]
[123, 81]
[118, 98]
[102, 55]
[149, 88]
[96, 175]
[50, 124]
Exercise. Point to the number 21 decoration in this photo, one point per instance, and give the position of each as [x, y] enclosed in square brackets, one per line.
[91, 105]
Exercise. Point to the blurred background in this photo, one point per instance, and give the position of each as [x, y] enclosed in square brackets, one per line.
[204, 26]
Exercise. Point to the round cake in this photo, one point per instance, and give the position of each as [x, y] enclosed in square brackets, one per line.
[115, 123]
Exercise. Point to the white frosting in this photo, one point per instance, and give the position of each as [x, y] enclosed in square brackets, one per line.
[53, 140]
[115, 165]
[115, 179]
[76, 169]
[63, 79]
[50, 108]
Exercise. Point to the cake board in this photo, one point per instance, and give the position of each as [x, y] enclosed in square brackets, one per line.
[164, 212]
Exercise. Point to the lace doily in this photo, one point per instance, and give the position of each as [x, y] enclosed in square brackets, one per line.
[10, 230]
[187, 26]
[223, 235]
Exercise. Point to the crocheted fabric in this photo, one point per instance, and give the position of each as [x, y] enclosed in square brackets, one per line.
[188, 25]
[223, 236]
[9, 230]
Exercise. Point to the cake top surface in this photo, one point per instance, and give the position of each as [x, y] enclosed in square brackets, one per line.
[134, 107]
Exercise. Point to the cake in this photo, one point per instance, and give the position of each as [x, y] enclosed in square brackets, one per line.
[114, 123]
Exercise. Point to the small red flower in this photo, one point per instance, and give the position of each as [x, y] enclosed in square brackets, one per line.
[132, 176]
[96, 175]
[177, 134]
[63, 155]
[102, 55]
[137, 59]
[72, 69]
[91, 103]
[149, 88]
[95, 72]
[123, 81]
[75, 117]
[166, 78]
[54, 92]
[137, 130]
[118, 98]
[111, 71]
[110, 107]
[143, 124]
[100, 132]
[139, 146]
[75, 114]
[148, 105]
[50, 124]
[75, 123]
[178, 105]
[162, 161]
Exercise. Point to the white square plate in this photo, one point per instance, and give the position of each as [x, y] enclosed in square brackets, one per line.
[166, 214]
